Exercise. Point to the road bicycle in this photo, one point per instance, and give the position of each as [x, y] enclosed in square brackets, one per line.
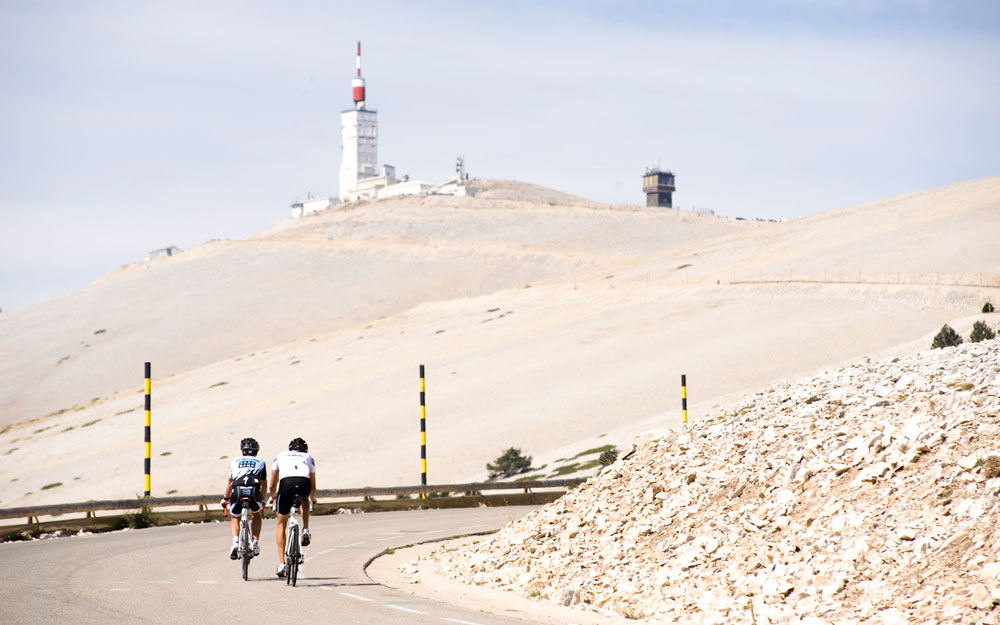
[293, 542]
[245, 548]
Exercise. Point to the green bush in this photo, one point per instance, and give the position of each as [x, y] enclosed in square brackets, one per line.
[988, 308]
[145, 517]
[981, 332]
[511, 462]
[947, 337]
[608, 457]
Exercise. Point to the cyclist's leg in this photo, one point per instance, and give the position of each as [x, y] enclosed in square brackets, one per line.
[234, 527]
[282, 527]
[257, 521]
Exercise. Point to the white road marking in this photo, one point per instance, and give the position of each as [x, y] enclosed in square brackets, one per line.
[460, 621]
[351, 545]
[324, 552]
[387, 538]
[469, 527]
[402, 609]
[429, 532]
[358, 597]
[119, 590]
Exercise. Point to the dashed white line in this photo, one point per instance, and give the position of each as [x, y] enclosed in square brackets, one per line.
[469, 527]
[403, 609]
[119, 590]
[429, 532]
[358, 597]
[460, 621]
[324, 552]
[351, 545]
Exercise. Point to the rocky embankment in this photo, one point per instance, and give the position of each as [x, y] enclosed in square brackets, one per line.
[867, 494]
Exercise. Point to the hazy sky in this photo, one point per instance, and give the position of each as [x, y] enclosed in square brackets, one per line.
[130, 126]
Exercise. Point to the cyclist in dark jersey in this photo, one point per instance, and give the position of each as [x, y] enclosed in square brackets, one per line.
[247, 478]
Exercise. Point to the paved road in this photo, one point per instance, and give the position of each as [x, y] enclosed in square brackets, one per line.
[183, 574]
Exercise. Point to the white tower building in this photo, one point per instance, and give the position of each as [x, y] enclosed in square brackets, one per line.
[358, 140]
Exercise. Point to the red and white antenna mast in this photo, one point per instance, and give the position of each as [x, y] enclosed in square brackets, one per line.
[358, 85]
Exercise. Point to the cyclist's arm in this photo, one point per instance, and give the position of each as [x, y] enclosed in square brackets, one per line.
[229, 488]
[312, 493]
[274, 483]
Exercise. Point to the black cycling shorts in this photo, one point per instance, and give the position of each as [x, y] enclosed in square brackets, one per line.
[241, 494]
[288, 487]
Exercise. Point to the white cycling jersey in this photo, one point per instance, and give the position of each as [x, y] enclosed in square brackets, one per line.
[294, 464]
[247, 466]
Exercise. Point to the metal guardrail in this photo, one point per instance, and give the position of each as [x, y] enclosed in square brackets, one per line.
[33, 512]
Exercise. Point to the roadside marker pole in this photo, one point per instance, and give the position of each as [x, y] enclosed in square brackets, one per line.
[148, 446]
[684, 398]
[423, 435]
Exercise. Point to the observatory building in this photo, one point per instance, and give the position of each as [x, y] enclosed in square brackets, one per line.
[361, 178]
[658, 187]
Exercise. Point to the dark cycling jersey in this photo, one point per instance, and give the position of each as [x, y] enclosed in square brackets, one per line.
[247, 473]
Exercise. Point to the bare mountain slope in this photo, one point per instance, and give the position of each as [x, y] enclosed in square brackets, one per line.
[307, 277]
[549, 327]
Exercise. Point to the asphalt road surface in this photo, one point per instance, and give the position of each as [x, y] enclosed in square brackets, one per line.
[183, 574]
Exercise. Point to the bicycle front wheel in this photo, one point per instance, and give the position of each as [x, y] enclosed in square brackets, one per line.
[292, 559]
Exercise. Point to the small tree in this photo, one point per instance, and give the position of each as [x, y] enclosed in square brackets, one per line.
[981, 332]
[511, 462]
[947, 337]
[988, 308]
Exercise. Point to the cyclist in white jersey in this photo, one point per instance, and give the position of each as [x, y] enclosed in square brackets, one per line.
[293, 472]
[247, 477]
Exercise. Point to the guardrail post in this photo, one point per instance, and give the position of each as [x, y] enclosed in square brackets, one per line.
[147, 435]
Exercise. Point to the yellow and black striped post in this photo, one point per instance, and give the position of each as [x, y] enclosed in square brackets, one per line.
[148, 446]
[684, 398]
[423, 435]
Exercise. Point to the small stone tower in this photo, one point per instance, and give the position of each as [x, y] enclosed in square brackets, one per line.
[658, 187]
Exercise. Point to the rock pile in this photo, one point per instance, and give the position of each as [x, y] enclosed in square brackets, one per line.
[863, 495]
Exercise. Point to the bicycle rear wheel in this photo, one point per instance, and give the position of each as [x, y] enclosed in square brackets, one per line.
[245, 546]
[292, 560]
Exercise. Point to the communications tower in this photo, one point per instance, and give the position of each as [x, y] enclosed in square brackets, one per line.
[358, 139]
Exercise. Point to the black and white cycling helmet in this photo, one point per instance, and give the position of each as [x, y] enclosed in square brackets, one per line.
[249, 446]
[298, 444]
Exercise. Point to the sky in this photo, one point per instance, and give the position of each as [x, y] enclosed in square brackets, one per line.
[127, 126]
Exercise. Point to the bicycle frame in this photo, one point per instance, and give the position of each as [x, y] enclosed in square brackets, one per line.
[293, 542]
[246, 535]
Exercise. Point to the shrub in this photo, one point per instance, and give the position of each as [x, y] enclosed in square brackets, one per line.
[981, 332]
[145, 517]
[988, 308]
[608, 457]
[947, 337]
[511, 462]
